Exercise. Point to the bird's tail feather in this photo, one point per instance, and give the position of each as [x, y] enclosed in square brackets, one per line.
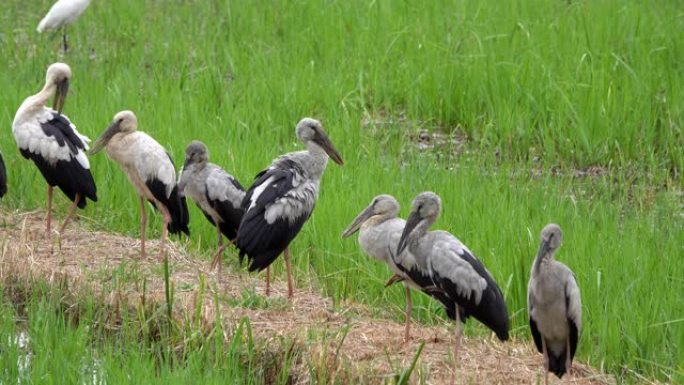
[557, 364]
[178, 209]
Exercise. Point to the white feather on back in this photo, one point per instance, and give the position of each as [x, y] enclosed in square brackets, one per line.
[62, 13]
[29, 135]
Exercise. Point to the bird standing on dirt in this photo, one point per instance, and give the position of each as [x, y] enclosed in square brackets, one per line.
[453, 269]
[48, 137]
[61, 14]
[151, 171]
[281, 200]
[218, 194]
[379, 233]
[554, 306]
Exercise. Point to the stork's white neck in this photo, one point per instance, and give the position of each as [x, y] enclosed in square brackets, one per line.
[35, 102]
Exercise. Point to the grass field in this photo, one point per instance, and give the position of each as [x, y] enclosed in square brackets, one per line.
[536, 92]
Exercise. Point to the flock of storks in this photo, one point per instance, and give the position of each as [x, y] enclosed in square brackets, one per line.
[262, 220]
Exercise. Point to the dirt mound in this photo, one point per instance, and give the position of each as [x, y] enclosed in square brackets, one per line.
[355, 347]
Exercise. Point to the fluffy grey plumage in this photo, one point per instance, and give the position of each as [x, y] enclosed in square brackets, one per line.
[554, 305]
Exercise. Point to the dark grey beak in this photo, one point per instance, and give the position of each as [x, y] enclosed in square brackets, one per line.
[544, 248]
[60, 95]
[411, 224]
[358, 221]
[322, 140]
[106, 136]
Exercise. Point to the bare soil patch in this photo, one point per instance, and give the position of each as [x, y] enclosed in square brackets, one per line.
[355, 347]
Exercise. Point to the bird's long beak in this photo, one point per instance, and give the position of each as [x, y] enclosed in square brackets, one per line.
[106, 136]
[411, 224]
[358, 221]
[544, 249]
[394, 279]
[60, 95]
[322, 140]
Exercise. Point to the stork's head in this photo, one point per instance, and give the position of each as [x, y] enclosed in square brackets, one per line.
[311, 131]
[196, 153]
[382, 205]
[58, 75]
[425, 210]
[551, 238]
[124, 121]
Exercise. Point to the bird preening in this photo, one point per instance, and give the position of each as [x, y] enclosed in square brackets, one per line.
[51, 141]
[554, 306]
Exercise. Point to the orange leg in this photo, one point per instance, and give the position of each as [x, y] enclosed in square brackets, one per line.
[546, 362]
[165, 230]
[457, 344]
[219, 251]
[71, 213]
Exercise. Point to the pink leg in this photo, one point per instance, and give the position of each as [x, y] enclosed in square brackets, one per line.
[409, 309]
[143, 224]
[288, 267]
[457, 344]
[165, 230]
[268, 281]
[71, 213]
[49, 211]
[219, 251]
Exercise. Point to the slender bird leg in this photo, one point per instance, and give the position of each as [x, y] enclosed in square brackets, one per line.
[568, 360]
[143, 224]
[165, 230]
[546, 362]
[268, 281]
[217, 258]
[288, 266]
[49, 211]
[409, 309]
[70, 214]
[65, 46]
[457, 344]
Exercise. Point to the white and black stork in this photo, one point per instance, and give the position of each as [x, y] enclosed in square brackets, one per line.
[48, 137]
[379, 232]
[282, 198]
[217, 193]
[151, 171]
[61, 14]
[454, 269]
[554, 306]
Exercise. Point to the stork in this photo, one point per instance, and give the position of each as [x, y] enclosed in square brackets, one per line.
[3, 177]
[61, 14]
[554, 306]
[379, 232]
[218, 194]
[282, 199]
[151, 171]
[50, 139]
[453, 269]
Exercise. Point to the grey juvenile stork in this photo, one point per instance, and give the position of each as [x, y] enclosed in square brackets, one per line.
[282, 199]
[50, 139]
[60, 15]
[151, 171]
[379, 233]
[554, 306]
[454, 269]
[218, 194]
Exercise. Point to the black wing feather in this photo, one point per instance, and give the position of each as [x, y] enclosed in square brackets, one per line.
[176, 205]
[3, 177]
[261, 241]
[231, 216]
[536, 336]
[491, 310]
[69, 176]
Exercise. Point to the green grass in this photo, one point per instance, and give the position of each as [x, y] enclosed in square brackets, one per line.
[541, 83]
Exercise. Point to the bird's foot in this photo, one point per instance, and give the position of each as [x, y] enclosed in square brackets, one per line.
[394, 279]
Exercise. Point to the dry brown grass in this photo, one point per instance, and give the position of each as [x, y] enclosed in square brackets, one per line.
[348, 345]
